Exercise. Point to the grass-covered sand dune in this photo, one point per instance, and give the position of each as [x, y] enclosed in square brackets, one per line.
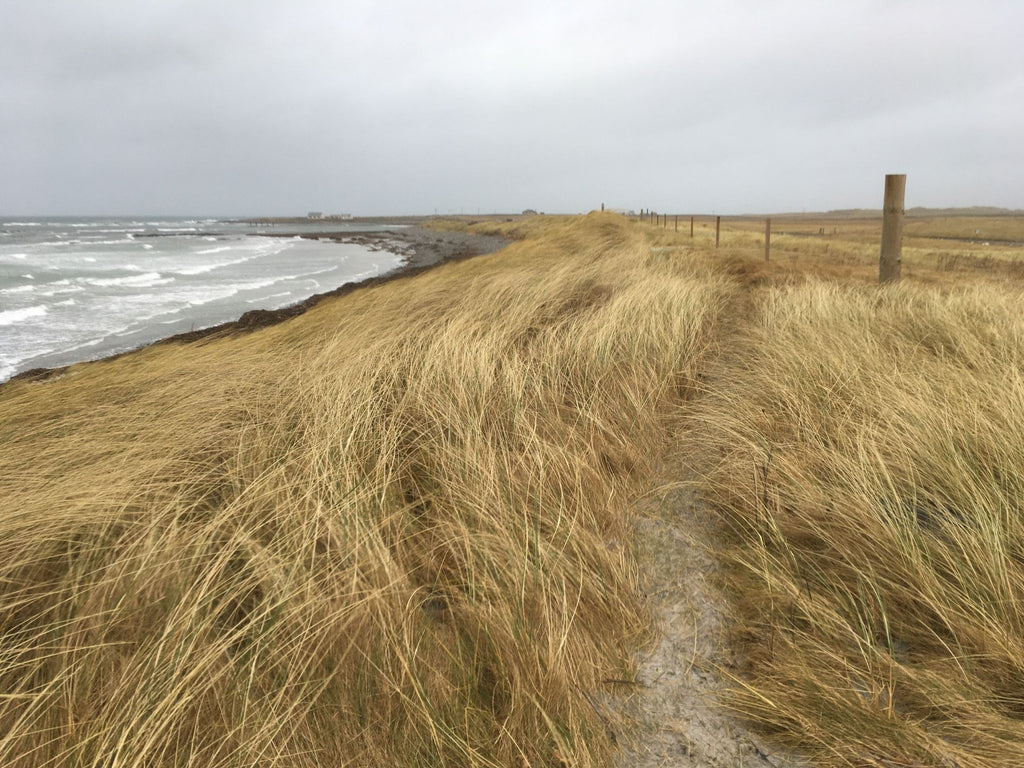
[388, 532]
[870, 454]
[396, 529]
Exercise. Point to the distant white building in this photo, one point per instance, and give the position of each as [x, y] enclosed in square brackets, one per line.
[340, 216]
[315, 215]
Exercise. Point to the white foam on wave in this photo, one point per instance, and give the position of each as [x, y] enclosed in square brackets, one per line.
[65, 288]
[204, 268]
[219, 249]
[120, 241]
[258, 284]
[19, 256]
[90, 259]
[227, 292]
[271, 298]
[94, 342]
[19, 289]
[12, 316]
[135, 281]
[147, 247]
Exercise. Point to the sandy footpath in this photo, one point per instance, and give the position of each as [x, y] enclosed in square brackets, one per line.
[675, 704]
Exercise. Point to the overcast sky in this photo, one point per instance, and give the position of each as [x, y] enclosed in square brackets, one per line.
[236, 107]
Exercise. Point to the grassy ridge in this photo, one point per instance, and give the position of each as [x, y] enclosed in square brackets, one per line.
[872, 443]
[394, 530]
[389, 531]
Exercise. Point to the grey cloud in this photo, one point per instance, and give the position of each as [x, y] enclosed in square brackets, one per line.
[400, 106]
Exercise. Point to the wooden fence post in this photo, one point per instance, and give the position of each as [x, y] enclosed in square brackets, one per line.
[677, 223]
[767, 239]
[718, 228]
[691, 226]
[891, 258]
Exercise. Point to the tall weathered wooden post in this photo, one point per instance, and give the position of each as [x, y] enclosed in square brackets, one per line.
[767, 239]
[891, 259]
[718, 228]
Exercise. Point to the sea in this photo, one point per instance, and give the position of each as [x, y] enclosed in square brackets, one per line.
[74, 289]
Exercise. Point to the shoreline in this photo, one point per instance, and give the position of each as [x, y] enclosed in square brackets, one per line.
[421, 249]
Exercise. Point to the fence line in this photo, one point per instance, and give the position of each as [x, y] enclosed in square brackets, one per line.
[891, 256]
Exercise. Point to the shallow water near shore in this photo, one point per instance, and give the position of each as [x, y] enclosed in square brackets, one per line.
[74, 289]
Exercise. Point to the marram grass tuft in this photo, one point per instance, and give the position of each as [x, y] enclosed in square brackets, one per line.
[391, 531]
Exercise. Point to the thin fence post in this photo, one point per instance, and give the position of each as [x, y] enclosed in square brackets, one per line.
[691, 226]
[767, 239]
[718, 228]
[891, 258]
[677, 223]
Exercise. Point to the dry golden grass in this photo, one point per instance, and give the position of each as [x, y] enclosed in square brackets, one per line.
[394, 530]
[865, 447]
[870, 448]
[388, 532]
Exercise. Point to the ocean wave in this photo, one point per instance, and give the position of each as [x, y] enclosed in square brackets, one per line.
[64, 287]
[258, 284]
[204, 268]
[228, 292]
[20, 289]
[145, 280]
[271, 298]
[12, 316]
